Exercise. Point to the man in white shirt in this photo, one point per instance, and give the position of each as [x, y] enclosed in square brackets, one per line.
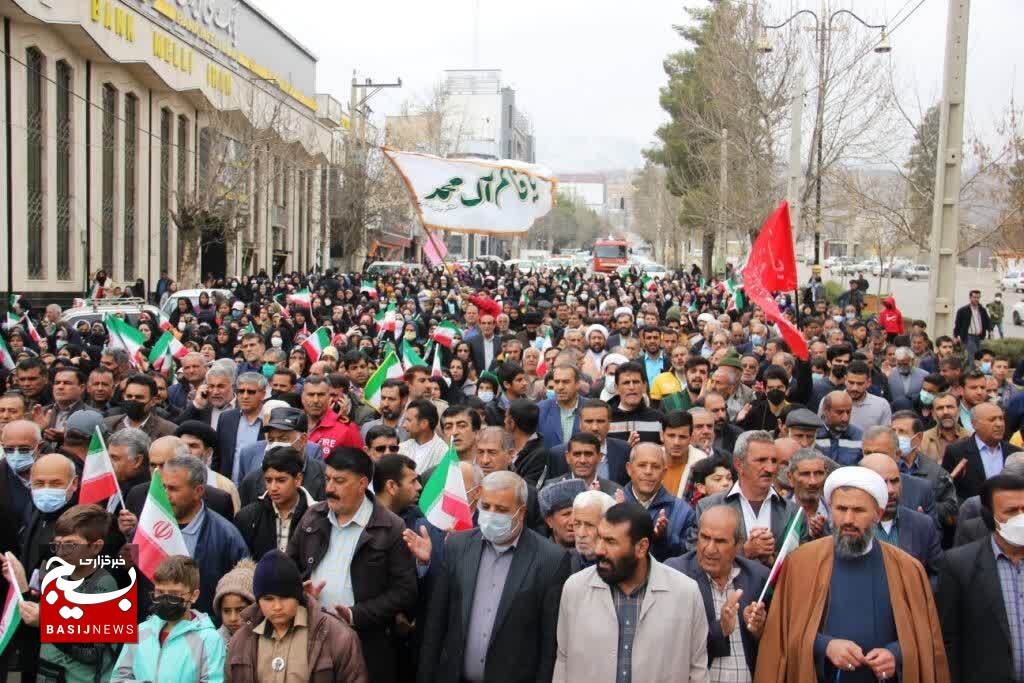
[423, 445]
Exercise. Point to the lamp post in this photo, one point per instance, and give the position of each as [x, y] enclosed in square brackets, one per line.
[822, 27]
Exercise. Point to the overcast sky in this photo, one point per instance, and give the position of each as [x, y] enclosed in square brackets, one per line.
[591, 69]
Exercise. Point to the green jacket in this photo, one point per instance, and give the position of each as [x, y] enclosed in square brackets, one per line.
[84, 664]
[995, 311]
[677, 401]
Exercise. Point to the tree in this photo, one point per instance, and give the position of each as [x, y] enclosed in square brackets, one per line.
[920, 176]
[568, 224]
[655, 213]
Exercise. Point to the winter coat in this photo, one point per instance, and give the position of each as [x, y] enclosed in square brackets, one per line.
[175, 661]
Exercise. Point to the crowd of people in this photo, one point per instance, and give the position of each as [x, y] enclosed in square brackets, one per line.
[637, 454]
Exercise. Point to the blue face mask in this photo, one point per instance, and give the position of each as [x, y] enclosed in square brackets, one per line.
[817, 376]
[906, 444]
[551, 393]
[926, 397]
[496, 527]
[755, 339]
[235, 313]
[986, 367]
[49, 500]
[18, 460]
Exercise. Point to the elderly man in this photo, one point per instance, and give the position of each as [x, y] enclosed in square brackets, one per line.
[214, 397]
[201, 440]
[129, 456]
[588, 509]
[494, 454]
[848, 608]
[672, 517]
[54, 485]
[350, 549]
[730, 585]
[980, 456]
[909, 530]
[837, 438]
[21, 441]
[726, 381]
[917, 494]
[556, 501]
[807, 472]
[241, 426]
[583, 457]
[498, 581]
[282, 426]
[629, 617]
[763, 512]
[905, 380]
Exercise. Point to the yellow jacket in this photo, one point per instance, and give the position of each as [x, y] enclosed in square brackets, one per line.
[664, 384]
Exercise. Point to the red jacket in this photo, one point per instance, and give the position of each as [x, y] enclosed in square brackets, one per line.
[486, 305]
[332, 432]
[890, 317]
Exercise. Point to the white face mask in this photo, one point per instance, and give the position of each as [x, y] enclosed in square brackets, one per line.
[485, 396]
[276, 342]
[1012, 530]
[609, 384]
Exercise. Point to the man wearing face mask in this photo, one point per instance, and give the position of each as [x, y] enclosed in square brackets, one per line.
[910, 431]
[484, 642]
[21, 440]
[54, 483]
[977, 598]
[838, 357]
[282, 426]
[137, 401]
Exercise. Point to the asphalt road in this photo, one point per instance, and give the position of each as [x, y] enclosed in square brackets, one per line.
[912, 297]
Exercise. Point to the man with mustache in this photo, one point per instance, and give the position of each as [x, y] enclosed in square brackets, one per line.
[850, 607]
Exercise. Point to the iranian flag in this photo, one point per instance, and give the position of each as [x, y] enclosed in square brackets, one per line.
[435, 368]
[284, 309]
[124, 336]
[301, 298]
[32, 333]
[98, 479]
[387, 320]
[444, 499]
[157, 534]
[445, 332]
[249, 329]
[409, 356]
[369, 287]
[790, 542]
[6, 359]
[316, 343]
[391, 368]
[167, 350]
[12, 321]
[739, 302]
[10, 620]
[165, 322]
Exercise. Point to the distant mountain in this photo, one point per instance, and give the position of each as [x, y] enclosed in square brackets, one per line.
[588, 154]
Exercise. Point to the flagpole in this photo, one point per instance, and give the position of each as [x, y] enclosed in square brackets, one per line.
[116, 483]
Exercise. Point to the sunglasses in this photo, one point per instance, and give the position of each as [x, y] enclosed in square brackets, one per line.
[246, 392]
[385, 449]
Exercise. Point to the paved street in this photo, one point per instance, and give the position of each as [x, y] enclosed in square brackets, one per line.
[912, 297]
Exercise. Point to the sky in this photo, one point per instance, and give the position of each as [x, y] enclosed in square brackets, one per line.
[588, 71]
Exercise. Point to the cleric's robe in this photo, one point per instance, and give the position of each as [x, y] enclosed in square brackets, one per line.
[786, 651]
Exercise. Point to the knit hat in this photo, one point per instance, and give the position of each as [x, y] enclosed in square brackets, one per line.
[277, 575]
[559, 495]
[731, 360]
[238, 581]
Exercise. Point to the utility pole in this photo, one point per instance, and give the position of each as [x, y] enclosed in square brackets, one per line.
[946, 206]
[796, 113]
[820, 133]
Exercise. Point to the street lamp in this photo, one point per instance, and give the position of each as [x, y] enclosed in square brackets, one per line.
[822, 27]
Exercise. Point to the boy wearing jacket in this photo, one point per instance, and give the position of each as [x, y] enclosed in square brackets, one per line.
[287, 637]
[171, 637]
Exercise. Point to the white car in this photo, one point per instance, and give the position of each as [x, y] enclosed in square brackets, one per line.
[216, 296]
[655, 270]
[522, 265]
[917, 271]
[1013, 280]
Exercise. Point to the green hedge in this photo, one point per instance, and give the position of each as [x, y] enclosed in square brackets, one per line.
[833, 290]
[1014, 348]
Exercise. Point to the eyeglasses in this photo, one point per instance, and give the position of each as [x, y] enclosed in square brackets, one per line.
[386, 449]
[246, 392]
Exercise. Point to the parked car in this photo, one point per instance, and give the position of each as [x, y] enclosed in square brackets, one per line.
[837, 263]
[917, 271]
[1018, 313]
[1012, 280]
[94, 310]
[216, 296]
[896, 266]
[522, 265]
[378, 268]
[655, 270]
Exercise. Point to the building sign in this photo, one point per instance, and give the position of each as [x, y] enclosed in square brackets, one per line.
[121, 22]
[214, 15]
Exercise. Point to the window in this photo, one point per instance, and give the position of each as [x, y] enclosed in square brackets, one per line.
[35, 71]
[300, 226]
[63, 171]
[109, 154]
[165, 185]
[182, 158]
[131, 121]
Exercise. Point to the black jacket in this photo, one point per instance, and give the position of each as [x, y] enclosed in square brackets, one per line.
[523, 639]
[617, 456]
[215, 499]
[962, 322]
[972, 613]
[258, 524]
[645, 420]
[530, 462]
[969, 482]
[751, 580]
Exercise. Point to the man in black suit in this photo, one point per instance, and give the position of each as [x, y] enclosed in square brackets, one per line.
[972, 324]
[583, 456]
[241, 426]
[485, 346]
[473, 631]
[735, 619]
[978, 457]
[213, 397]
[596, 418]
[980, 646]
[911, 531]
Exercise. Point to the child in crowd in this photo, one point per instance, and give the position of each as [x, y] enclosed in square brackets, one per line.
[234, 594]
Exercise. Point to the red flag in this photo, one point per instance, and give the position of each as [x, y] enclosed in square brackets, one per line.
[771, 267]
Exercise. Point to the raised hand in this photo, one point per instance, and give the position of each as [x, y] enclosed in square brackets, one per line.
[419, 544]
[730, 610]
[661, 524]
